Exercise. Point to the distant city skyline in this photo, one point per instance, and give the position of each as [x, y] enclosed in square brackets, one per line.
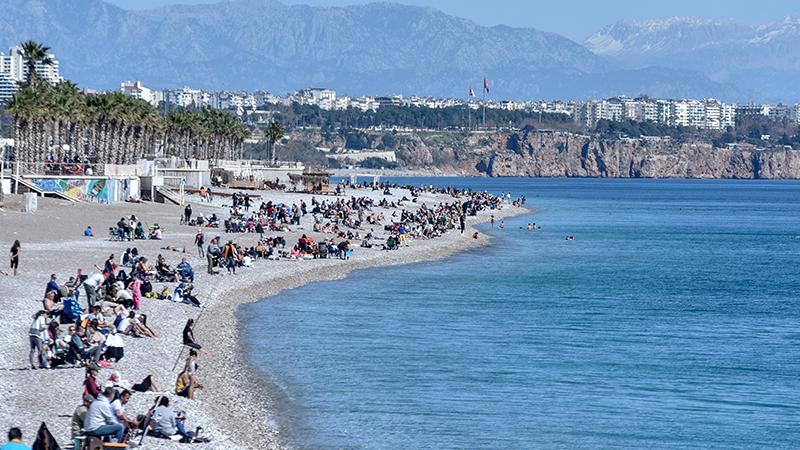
[575, 19]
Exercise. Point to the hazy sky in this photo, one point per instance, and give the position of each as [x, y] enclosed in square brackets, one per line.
[573, 18]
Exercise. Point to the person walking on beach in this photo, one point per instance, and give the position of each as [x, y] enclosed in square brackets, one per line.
[492, 220]
[187, 214]
[199, 240]
[462, 223]
[212, 252]
[16, 249]
[229, 254]
[38, 340]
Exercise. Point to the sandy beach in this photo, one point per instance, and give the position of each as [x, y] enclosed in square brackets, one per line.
[234, 409]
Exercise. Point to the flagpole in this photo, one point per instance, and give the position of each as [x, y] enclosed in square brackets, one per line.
[484, 108]
[469, 113]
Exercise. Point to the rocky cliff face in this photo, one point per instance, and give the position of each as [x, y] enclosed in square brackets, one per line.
[563, 154]
[569, 155]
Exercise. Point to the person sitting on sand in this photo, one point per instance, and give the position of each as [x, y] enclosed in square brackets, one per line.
[123, 231]
[119, 409]
[185, 271]
[167, 424]
[139, 327]
[88, 232]
[188, 336]
[156, 234]
[186, 383]
[71, 311]
[144, 268]
[147, 385]
[183, 293]
[90, 385]
[52, 286]
[78, 420]
[51, 305]
[100, 420]
[122, 296]
[139, 232]
[165, 272]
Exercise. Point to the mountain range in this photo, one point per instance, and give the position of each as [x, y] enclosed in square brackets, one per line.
[761, 59]
[385, 48]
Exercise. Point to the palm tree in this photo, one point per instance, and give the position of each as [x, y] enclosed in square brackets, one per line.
[34, 53]
[274, 133]
[112, 128]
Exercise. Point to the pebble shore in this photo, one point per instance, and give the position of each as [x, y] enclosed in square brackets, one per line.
[234, 409]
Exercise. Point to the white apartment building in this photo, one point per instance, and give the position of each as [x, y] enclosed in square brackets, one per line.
[365, 103]
[753, 109]
[324, 98]
[688, 113]
[13, 69]
[704, 114]
[186, 97]
[136, 89]
[234, 100]
[8, 87]
[727, 116]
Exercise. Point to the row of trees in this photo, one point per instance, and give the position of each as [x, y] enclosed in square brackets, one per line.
[56, 123]
[455, 117]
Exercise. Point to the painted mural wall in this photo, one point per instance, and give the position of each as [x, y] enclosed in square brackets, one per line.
[88, 190]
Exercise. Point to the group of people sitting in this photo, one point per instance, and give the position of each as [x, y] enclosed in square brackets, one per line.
[268, 216]
[130, 229]
[103, 414]
[113, 303]
[94, 334]
[91, 335]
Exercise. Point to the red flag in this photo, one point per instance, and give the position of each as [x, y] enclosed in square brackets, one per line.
[486, 85]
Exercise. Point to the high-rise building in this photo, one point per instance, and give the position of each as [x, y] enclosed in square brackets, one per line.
[8, 87]
[13, 70]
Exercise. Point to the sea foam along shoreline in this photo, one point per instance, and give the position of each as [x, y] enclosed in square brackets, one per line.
[238, 398]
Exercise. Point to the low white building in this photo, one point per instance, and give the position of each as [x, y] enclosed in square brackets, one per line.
[136, 89]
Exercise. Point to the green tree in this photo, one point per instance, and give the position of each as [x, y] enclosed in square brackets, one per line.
[34, 53]
[274, 133]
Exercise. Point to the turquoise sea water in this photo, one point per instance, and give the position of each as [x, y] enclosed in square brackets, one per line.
[672, 320]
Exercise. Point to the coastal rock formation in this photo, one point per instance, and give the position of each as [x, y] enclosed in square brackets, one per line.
[560, 154]
[541, 153]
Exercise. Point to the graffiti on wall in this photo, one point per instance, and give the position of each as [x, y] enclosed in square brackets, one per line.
[79, 189]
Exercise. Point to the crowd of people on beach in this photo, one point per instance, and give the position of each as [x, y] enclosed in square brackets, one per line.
[86, 321]
[89, 331]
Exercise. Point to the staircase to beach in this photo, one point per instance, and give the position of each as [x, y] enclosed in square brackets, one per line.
[27, 186]
[168, 195]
